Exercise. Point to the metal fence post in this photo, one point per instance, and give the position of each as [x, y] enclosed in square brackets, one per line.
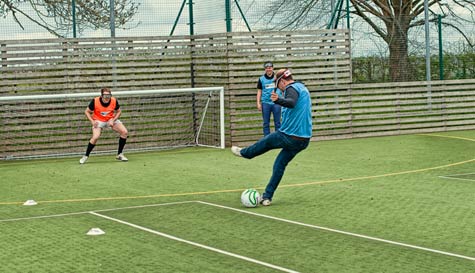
[441, 52]
[228, 16]
[113, 48]
[73, 8]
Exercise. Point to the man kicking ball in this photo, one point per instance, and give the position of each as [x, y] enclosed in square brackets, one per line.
[292, 137]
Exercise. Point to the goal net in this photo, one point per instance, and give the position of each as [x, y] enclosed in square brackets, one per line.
[55, 125]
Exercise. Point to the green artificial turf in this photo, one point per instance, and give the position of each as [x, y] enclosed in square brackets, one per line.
[337, 202]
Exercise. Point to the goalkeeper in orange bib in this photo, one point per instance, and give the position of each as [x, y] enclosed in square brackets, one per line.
[104, 112]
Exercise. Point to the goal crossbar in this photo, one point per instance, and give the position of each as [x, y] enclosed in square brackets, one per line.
[115, 94]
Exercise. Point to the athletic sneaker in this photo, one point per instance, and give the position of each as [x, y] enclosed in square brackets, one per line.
[121, 157]
[83, 159]
[265, 202]
[236, 150]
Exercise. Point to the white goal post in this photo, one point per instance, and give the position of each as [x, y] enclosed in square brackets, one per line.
[55, 125]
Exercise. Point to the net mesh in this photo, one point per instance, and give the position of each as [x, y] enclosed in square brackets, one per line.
[55, 125]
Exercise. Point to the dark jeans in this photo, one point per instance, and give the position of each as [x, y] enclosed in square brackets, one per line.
[290, 148]
[267, 109]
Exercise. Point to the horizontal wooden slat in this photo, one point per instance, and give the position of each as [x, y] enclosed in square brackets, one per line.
[319, 58]
[361, 110]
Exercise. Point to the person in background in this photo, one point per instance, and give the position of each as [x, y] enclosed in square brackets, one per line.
[265, 87]
[292, 137]
[104, 112]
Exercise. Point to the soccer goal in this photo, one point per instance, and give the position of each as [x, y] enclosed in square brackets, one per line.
[55, 125]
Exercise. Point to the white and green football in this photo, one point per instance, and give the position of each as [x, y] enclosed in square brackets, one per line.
[250, 198]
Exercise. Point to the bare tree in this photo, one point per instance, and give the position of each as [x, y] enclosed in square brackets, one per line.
[390, 19]
[56, 15]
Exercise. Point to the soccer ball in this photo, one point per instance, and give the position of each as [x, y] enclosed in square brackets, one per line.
[250, 198]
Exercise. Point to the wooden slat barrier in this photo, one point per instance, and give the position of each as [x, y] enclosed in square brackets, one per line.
[84, 65]
[231, 60]
[364, 110]
[164, 62]
[319, 58]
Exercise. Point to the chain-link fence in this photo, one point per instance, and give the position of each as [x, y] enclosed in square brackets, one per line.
[374, 58]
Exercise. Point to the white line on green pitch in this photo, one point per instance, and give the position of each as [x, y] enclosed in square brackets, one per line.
[255, 214]
[85, 212]
[342, 232]
[196, 244]
[454, 176]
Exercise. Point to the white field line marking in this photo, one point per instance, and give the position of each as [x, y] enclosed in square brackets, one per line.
[342, 232]
[460, 174]
[85, 212]
[251, 213]
[146, 206]
[195, 244]
[456, 178]
[42, 217]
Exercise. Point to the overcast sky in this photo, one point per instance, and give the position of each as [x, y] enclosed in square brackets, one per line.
[153, 18]
[156, 18]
